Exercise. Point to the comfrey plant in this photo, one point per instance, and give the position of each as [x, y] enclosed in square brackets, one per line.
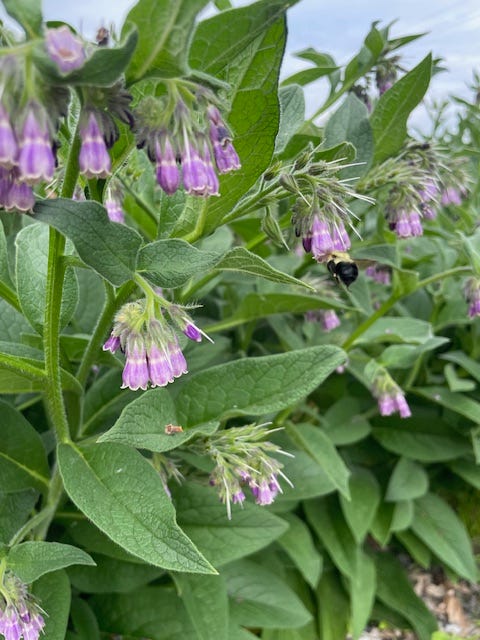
[158, 187]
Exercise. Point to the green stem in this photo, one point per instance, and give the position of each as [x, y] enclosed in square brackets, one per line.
[53, 301]
[54, 497]
[388, 304]
[51, 337]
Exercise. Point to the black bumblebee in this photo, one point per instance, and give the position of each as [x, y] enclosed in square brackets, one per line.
[342, 267]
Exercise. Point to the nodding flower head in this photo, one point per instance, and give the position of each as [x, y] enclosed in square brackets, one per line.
[390, 396]
[242, 459]
[153, 353]
[190, 142]
[36, 160]
[20, 614]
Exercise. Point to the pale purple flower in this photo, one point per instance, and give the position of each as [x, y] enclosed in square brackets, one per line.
[36, 161]
[8, 141]
[177, 359]
[226, 157]
[168, 174]
[341, 240]
[322, 242]
[238, 497]
[114, 209]
[386, 405]
[415, 223]
[65, 49]
[213, 184]
[329, 320]
[19, 195]
[20, 615]
[112, 344]
[94, 159]
[451, 195]
[135, 373]
[195, 179]
[193, 333]
[429, 191]
[401, 406]
[159, 367]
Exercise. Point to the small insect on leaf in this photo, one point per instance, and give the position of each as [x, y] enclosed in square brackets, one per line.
[172, 429]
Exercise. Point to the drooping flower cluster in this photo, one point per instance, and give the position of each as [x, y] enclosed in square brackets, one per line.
[472, 295]
[321, 212]
[242, 459]
[28, 133]
[20, 614]
[389, 395]
[150, 344]
[185, 140]
[326, 317]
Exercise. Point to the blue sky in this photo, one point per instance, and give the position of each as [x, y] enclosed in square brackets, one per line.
[338, 27]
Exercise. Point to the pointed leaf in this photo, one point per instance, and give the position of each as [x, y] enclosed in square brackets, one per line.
[87, 225]
[408, 481]
[318, 445]
[297, 542]
[30, 560]
[389, 119]
[360, 510]
[142, 424]
[122, 494]
[437, 525]
[255, 386]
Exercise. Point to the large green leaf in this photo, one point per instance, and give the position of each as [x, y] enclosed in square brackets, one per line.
[297, 542]
[333, 607]
[30, 560]
[205, 599]
[23, 460]
[164, 30]
[360, 510]
[409, 480]
[31, 276]
[421, 438]
[437, 525]
[170, 263]
[244, 47]
[112, 576]
[104, 401]
[14, 511]
[389, 119]
[143, 421]
[87, 225]
[261, 599]
[255, 386]
[122, 494]
[319, 446]
[156, 613]
[350, 123]
[28, 13]
[292, 114]
[395, 590]
[204, 519]
[458, 402]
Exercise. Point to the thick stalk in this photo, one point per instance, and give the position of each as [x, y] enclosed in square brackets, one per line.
[53, 301]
